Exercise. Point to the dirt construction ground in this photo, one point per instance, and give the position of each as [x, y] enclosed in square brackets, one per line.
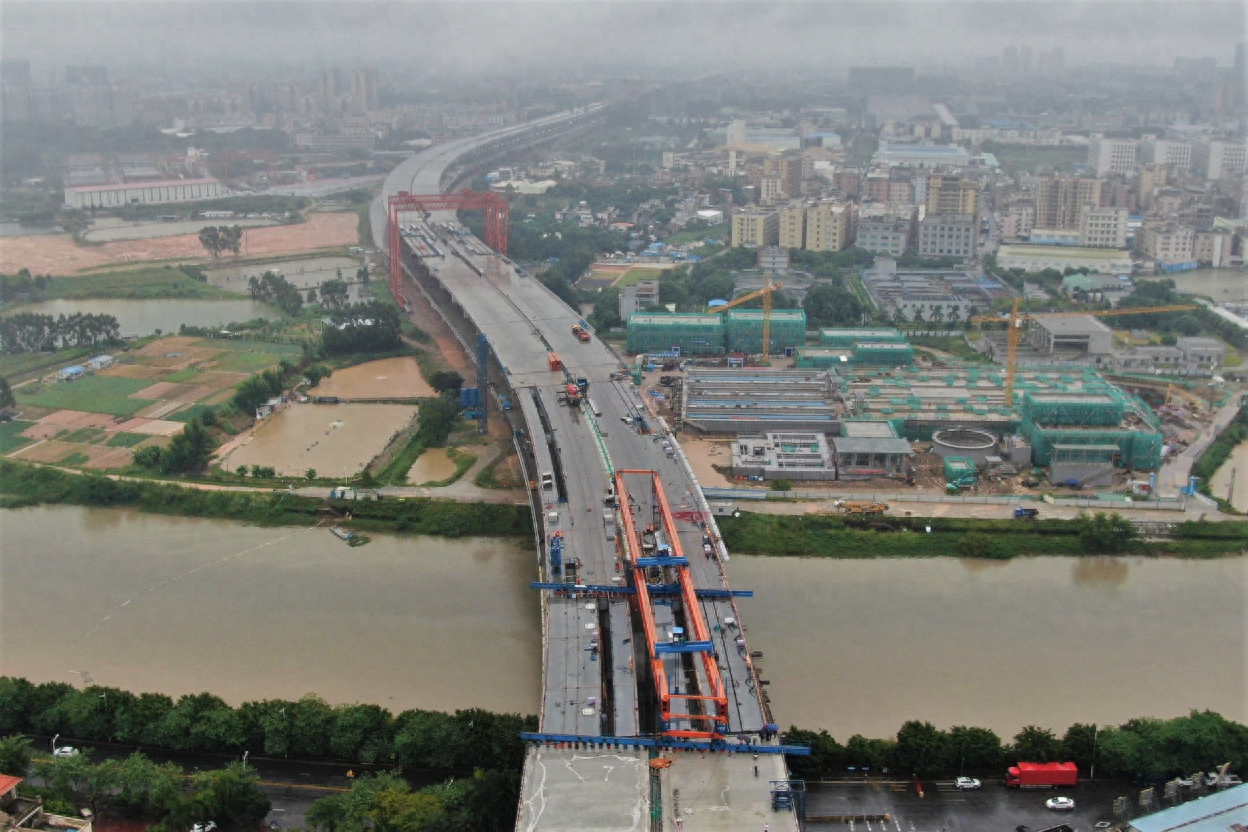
[59, 255]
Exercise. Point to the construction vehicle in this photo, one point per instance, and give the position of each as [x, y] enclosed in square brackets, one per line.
[1015, 322]
[573, 395]
[554, 361]
[765, 294]
[581, 333]
[556, 552]
[1024, 513]
[859, 507]
[1041, 775]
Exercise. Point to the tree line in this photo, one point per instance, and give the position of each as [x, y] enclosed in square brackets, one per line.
[138, 788]
[373, 326]
[1144, 748]
[33, 332]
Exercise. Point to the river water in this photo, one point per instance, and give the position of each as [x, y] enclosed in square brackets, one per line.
[999, 644]
[1222, 285]
[1230, 482]
[181, 605]
[144, 317]
[148, 602]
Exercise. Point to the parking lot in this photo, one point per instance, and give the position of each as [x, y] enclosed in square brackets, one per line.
[943, 808]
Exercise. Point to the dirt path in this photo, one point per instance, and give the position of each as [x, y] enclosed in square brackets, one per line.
[57, 254]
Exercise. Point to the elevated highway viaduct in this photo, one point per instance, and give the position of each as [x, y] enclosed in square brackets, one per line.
[601, 714]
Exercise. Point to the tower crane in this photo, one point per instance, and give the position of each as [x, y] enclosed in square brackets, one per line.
[765, 294]
[1015, 322]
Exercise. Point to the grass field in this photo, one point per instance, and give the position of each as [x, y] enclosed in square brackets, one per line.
[33, 363]
[190, 413]
[85, 436]
[150, 282]
[697, 235]
[634, 275]
[249, 346]
[94, 394]
[11, 438]
[1018, 157]
[246, 362]
[126, 440]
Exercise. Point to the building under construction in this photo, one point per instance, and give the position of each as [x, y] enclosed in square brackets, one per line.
[1071, 417]
[696, 333]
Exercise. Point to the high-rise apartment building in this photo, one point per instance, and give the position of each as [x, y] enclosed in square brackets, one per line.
[756, 227]
[1107, 156]
[1166, 242]
[1059, 200]
[830, 226]
[792, 233]
[885, 232]
[770, 189]
[952, 194]
[1103, 227]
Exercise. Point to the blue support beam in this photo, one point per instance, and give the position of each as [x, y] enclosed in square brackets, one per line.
[612, 589]
[665, 742]
[661, 561]
[684, 647]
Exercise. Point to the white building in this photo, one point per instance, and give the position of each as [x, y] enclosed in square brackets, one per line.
[1107, 156]
[1216, 160]
[175, 190]
[949, 235]
[1155, 151]
[1103, 227]
[1166, 242]
[1038, 258]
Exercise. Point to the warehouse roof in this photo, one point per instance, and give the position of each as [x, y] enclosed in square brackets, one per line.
[868, 429]
[133, 186]
[1076, 325]
[1216, 813]
[871, 445]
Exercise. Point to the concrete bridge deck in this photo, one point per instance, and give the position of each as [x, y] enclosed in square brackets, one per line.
[593, 692]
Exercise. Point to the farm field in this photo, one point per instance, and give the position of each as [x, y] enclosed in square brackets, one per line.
[398, 378]
[58, 254]
[111, 229]
[143, 399]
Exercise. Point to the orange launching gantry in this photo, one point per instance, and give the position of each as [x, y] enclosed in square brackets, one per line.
[715, 703]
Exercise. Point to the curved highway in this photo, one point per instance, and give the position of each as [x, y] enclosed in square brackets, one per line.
[592, 647]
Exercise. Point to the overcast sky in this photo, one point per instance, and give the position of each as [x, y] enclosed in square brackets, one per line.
[489, 37]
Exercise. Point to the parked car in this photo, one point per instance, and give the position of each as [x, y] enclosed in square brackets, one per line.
[65, 751]
[1060, 804]
[967, 783]
[204, 827]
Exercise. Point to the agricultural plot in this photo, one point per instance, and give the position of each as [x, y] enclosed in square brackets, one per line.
[148, 396]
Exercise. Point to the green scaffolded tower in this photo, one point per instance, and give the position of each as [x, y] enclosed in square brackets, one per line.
[743, 330]
[692, 333]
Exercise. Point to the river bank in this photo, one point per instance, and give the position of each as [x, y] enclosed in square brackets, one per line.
[883, 536]
[24, 485]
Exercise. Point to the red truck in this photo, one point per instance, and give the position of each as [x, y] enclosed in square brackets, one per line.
[1041, 775]
[581, 333]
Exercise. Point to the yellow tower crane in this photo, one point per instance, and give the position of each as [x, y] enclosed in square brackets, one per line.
[1016, 323]
[765, 294]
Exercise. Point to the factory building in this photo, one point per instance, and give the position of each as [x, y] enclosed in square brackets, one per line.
[142, 193]
[737, 402]
[790, 456]
[1079, 334]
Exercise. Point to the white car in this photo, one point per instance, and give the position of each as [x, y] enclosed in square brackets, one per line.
[967, 783]
[1228, 780]
[65, 751]
[204, 827]
[1060, 804]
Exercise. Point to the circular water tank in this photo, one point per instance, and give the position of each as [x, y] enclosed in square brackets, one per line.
[717, 302]
[964, 441]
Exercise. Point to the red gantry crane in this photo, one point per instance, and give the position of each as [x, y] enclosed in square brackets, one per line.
[497, 215]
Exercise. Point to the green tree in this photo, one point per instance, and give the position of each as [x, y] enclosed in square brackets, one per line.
[444, 380]
[210, 239]
[1078, 744]
[149, 457]
[15, 754]
[189, 451]
[230, 795]
[378, 803]
[831, 304]
[309, 474]
[6, 394]
[1102, 533]
[201, 722]
[922, 748]
[978, 749]
[1035, 745]
[827, 756]
[334, 294]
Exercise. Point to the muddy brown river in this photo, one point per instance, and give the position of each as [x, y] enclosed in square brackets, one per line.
[147, 602]
[181, 605]
[1000, 644]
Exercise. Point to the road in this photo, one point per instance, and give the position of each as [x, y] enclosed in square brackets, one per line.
[592, 649]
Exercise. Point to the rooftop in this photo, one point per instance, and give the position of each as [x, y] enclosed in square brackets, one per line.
[131, 186]
[1074, 325]
[1058, 252]
[871, 445]
[1218, 812]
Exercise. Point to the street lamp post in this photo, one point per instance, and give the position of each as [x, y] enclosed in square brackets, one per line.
[1092, 772]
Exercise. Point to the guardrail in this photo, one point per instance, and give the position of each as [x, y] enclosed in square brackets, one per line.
[755, 494]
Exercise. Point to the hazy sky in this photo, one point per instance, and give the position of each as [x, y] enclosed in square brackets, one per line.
[483, 37]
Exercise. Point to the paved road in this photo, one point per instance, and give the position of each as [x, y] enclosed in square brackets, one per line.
[586, 692]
